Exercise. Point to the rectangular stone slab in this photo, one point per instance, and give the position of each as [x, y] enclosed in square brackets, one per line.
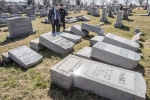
[76, 29]
[56, 43]
[68, 30]
[96, 39]
[115, 55]
[110, 81]
[25, 56]
[85, 53]
[121, 42]
[35, 45]
[88, 27]
[70, 37]
[62, 73]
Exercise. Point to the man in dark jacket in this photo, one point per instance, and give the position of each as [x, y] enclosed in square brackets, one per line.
[63, 13]
[54, 18]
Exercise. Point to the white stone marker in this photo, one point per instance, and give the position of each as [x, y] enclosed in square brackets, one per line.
[110, 81]
[71, 37]
[104, 15]
[136, 38]
[35, 45]
[76, 29]
[121, 42]
[96, 39]
[115, 55]
[85, 53]
[25, 56]
[62, 73]
[118, 23]
[56, 43]
[89, 27]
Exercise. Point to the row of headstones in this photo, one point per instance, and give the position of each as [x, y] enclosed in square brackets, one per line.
[148, 12]
[95, 69]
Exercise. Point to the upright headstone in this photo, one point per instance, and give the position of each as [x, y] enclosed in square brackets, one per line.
[56, 43]
[118, 23]
[104, 15]
[30, 12]
[125, 14]
[96, 11]
[25, 56]
[43, 12]
[110, 81]
[110, 12]
[19, 26]
[121, 42]
[115, 55]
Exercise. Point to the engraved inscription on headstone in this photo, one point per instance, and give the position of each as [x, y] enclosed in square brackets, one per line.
[112, 49]
[114, 76]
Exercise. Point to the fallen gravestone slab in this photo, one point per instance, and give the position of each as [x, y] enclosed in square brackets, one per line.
[121, 42]
[68, 30]
[100, 24]
[62, 73]
[25, 56]
[110, 81]
[72, 20]
[5, 57]
[70, 37]
[136, 38]
[96, 39]
[85, 53]
[35, 45]
[88, 27]
[76, 29]
[56, 43]
[115, 55]
[19, 27]
[84, 18]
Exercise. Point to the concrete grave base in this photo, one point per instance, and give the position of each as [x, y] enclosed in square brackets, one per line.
[35, 45]
[118, 25]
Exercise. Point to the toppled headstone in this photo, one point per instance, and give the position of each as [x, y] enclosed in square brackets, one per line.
[6, 57]
[62, 73]
[68, 30]
[136, 38]
[70, 37]
[72, 20]
[19, 27]
[84, 18]
[35, 45]
[121, 42]
[96, 39]
[136, 30]
[25, 56]
[110, 81]
[85, 53]
[100, 24]
[76, 29]
[56, 43]
[88, 27]
[115, 55]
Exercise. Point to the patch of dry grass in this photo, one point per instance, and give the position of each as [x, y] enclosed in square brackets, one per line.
[35, 83]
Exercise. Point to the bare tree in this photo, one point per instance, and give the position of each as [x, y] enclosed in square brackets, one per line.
[127, 2]
[140, 2]
[103, 2]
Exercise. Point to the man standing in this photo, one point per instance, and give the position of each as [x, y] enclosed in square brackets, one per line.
[54, 18]
[63, 13]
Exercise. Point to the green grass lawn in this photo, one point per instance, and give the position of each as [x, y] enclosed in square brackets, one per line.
[35, 83]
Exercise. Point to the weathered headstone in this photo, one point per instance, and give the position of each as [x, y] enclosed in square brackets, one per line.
[96, 39]
[110, 12]
[35, 45]
[43, 12]
[76, 29]
[84, 18]
[110, 81]
[89, 27]
[3, 18]
[96, 11]
[56, 43]
[115, 55]
[118, 23]
[19, 26]
[125, 14]
[25, 56]
[5, 57]
[71, 20]
[104, 15]
[62, 73]
[136, 38]
[30, 12]
[85, 53]
[121, 42]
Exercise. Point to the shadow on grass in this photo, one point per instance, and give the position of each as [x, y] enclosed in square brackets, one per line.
[112, 17]
[142, 40]
[130, 20]
[125, 28]
[57, 93]
[88, 37]
[131, 15]
[141, 45]
[107, 23]
[147, 97]
[140, 69]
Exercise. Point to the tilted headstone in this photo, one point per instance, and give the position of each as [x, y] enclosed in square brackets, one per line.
[104, 15]
[118, 23]
[25, 56]
[96, 39]
[136, 38]
[121, 42]
[68, 30]
[35, 45]
[110, 81]
[84, 18]
[76, 29]
[115, 55]
[19, 26]
[85, 53]
[56, 43]
[89, 27]
[62, 73]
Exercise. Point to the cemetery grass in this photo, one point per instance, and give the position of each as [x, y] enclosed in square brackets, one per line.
[35, 83]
